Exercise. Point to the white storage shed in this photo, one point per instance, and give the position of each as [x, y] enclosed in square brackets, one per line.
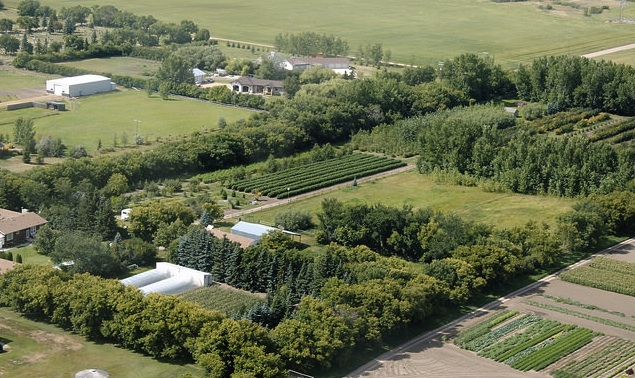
[168, 279]
[83, 85]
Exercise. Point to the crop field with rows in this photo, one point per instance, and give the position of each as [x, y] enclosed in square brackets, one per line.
[317, 175]
[524, 341]
[605, 274]
[615, 132]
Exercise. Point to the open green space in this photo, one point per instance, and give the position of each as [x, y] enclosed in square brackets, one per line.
[38, 349]
[119, 65]
[419, 32]
[104, 116]
[420, 191]
[14, 80]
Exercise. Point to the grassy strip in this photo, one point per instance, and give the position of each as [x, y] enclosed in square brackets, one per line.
[581, 315]
[572, 302]
[226, 300]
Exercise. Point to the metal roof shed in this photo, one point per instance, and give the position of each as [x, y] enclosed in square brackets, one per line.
[251, 230]
[83, 85]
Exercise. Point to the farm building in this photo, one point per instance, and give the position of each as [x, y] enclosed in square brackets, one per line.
[299, 64]
[83, 85]
[199, 76]
[250, 85]
[17, 228]
[242, 240]
[168, 278]
[92, 373]
[252, 231]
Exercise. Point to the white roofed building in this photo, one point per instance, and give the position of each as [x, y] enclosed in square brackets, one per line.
[83, 85]
[168, 278]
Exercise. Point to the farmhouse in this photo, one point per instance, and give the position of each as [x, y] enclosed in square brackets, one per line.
[83, 85]
[17, 228]
[168, 278]
[250, 85]
[300, 64]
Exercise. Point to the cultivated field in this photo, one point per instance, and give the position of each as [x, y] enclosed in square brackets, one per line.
[419, 32]
[223, 298]
[125, 66]
[609, 313]
[37, 349]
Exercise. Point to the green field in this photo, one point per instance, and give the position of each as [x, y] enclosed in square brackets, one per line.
[92, 118]
[223, 298]
[420, 32]
[43, 350]
[125, 66]
[417, 190]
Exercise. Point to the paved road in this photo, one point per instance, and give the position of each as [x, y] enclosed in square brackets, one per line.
[369, 369]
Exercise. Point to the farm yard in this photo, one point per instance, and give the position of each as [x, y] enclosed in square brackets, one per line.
[599, 337]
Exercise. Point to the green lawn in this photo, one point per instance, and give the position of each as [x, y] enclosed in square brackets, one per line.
[416, 31]
[125, 66]
[103, 116]
[417, 190]
[43, 350]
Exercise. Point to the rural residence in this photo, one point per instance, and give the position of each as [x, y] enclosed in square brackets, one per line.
[17, 228]
[250, 85]
[83, 85]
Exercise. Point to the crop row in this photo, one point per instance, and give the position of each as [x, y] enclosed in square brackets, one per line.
[582, 315]
[586, 306]
[560, 347]
[483, 327]
[533, 341]
[512, 342]
[623, 137]
[613, 265]
[296, 171]
[315, 167]
[319, 183]
[277, 188]
[598, 362]
[616, 282]
[492, 337]
[609, 131]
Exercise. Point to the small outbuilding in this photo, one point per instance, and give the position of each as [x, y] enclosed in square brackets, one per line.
[83, 85]
[199, 76]
[92, 373]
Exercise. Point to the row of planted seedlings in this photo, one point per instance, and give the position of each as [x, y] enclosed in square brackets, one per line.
[554, 348]
[301, 171]
[482, 328]
[308, 185]
[612, 130]
[600, 362]
[605, 274]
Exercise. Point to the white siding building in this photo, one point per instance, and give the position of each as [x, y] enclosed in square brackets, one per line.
[83, 85]
[168, 279]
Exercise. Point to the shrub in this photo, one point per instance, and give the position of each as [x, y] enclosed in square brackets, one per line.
[294, 220]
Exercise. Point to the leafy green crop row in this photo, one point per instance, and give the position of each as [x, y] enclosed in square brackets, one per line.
[613, 130]
[605, 274]
[482, 328]
[599, 362]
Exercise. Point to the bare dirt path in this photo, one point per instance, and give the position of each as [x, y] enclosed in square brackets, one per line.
[609, 51]
[273, 202]
[430, 356]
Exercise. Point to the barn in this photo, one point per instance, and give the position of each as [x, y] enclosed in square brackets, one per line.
[83, 85]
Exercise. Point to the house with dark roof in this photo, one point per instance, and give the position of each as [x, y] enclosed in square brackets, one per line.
[17, 228]
[251, 85]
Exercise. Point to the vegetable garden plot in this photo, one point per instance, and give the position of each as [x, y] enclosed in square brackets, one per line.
[605, 274]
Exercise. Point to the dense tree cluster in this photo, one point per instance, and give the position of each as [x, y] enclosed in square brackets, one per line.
[311, 44]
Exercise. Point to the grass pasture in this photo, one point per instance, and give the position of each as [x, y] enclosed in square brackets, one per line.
[417, 190]
[419, 32]
[42, 350]
[103, 116]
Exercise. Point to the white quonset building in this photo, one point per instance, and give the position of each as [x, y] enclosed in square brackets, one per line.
[83, 85]
[168, 279]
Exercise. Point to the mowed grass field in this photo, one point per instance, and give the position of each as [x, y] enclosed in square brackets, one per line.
[103, 116]
[502, 210]
[415, 31]
[134, 67]
[42, 350]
